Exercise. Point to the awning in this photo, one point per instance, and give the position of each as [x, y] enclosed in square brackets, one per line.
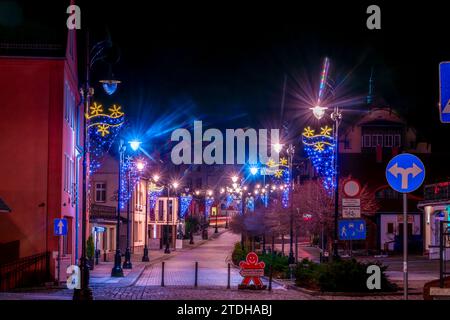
[4, 207]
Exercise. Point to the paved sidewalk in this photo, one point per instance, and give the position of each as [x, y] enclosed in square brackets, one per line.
[101, 275]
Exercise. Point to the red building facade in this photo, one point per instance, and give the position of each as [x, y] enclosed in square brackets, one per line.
[41, 129]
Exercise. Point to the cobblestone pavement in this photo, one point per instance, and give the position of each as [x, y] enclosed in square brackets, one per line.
[189, 293]
[212, 257]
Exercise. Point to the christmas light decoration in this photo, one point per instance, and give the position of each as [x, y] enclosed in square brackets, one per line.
[250, 203]
[208, 204]
[102, 129]
[320, 149]
[129, 178]
[323, 79]
[153, 192]
[185, 202]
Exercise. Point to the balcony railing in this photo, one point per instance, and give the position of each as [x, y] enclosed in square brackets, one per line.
[25, 272]
[437, 192]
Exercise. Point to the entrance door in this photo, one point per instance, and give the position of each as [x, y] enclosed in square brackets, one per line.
[167, 235]
[400, 229]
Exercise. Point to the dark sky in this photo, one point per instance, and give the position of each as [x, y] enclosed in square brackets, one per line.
[224, 62]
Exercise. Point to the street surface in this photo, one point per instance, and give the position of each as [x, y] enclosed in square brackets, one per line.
[143, 282]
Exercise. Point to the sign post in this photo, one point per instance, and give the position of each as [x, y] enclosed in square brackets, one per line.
[444, 91]
[60, 229]
[351, 204]
[405, 173]
[252, 270]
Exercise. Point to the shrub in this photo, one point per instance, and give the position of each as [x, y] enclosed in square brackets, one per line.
[279, 264]
[90, 248]
[239, 253]
[339, 276]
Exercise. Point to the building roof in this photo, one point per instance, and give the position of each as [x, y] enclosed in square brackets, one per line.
[30, 28]
[4, 207]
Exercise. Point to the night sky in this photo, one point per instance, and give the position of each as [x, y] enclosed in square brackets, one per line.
[225, 62]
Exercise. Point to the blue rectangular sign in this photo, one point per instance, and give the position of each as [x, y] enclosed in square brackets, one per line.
[60, 227]
[444, 90]
[352, 229]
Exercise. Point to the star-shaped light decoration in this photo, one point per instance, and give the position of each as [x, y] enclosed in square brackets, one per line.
[116, 111]
[308, 132]
[271, 163]
[278, 174]
[319, 147]
[103, 129]
[326, 131]
[96, 109]
[283, 161]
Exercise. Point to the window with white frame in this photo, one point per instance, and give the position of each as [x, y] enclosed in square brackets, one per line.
[100, 192]
[397, 140]
[366, 141]
[69, 106]
[69, 174]
[377, 139]
[389, 141]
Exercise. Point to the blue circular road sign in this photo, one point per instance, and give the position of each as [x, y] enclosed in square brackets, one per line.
[405, 173]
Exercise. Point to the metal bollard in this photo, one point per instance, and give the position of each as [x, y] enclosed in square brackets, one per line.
[196, 274]
[229, 276]
[270, 278]
[162, 274]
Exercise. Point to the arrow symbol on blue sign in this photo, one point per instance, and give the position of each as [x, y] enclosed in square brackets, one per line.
[395, 170]
[447, 107]
[60, 226]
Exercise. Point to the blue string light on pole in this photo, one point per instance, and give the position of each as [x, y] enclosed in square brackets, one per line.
[154, 192]
[185, 202]
[130, 177]
[103, 129]
[209, 200]
[320, 149]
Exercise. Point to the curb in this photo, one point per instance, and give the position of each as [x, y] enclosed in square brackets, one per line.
[349, 294]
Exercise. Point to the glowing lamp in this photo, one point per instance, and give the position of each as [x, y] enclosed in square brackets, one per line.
[234, 179]
[135, 145]
[175, 185]
[253, 170]
[156, 177]
[140, 165]
[277, 147]
[110, 86]
[318, 112]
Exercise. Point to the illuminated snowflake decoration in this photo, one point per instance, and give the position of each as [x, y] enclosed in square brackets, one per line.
[320, 149]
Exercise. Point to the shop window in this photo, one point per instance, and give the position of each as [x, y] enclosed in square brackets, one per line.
[161, 210]
[169, 210]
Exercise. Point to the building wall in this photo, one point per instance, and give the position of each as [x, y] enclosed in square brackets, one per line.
[37, 141]
[395, 219]
[37, 138]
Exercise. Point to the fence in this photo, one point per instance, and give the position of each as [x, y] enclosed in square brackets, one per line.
[191, 274]
[25, 272]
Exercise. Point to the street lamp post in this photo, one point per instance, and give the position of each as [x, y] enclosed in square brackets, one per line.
[93, 55]
[336, 116]
[85, 293]
[291, 152]
[117, 270]
[145, 257]
[127, 263]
